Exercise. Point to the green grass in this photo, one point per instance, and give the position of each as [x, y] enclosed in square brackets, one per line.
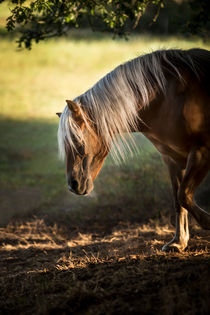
[33, 87]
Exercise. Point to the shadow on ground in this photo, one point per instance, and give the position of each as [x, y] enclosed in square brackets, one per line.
[47, 269]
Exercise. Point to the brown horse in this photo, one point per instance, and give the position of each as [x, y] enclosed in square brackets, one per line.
[166, 96]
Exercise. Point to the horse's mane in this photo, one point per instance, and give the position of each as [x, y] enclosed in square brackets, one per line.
[112, 104]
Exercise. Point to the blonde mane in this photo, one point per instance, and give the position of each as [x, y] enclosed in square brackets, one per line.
[112, 104]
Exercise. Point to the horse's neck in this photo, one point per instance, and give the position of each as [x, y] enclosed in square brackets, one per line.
[147, 113]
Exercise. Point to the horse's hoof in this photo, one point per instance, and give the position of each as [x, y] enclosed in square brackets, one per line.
[170, 248]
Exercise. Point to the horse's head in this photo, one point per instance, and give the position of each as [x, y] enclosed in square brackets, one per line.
[84, 150]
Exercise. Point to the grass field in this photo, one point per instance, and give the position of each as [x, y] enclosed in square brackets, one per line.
[62, 254]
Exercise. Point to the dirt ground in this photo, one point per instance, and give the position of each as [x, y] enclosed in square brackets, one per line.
[103, 268]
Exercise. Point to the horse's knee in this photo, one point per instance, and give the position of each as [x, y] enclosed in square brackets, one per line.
[185, 199]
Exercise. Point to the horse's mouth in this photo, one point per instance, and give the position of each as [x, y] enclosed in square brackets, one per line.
[82, 192]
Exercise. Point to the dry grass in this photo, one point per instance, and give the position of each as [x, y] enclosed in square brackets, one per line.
[50, 270]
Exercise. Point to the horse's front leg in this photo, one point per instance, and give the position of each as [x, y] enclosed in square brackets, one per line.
[181, 238]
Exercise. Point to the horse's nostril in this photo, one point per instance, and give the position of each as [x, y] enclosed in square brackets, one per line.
[74, 184]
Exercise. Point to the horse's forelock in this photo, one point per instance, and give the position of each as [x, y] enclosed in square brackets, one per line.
[68, 132]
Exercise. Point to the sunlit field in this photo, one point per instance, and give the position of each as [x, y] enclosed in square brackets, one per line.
[65, 254]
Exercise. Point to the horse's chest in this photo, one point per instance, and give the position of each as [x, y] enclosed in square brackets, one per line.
[177, 153]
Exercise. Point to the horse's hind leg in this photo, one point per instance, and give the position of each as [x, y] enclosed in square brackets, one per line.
[181, 238]
[198, 165]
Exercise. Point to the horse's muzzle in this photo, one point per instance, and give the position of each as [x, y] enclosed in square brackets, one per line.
[78, 188]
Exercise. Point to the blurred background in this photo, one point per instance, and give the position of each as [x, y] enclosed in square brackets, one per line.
[34, 85]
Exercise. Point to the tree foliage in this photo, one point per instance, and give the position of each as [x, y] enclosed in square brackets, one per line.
[40, 19]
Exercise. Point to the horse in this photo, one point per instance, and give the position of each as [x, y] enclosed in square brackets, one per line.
[165, 95]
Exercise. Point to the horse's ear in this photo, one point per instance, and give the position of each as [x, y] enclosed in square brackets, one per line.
[58, 114]
[76, 112]
[74, 108]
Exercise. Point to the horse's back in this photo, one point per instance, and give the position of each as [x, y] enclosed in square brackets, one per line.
[201, 61]
[196, 109]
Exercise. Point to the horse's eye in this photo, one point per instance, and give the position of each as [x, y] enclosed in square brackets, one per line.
[80, 149]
